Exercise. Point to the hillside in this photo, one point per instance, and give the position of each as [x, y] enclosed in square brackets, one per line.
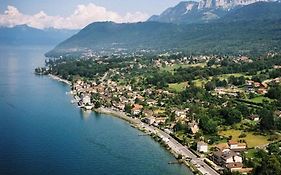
[219, 38]
[251, 29]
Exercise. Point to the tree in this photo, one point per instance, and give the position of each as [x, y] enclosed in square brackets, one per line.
[209, 86]
[274, 92]
[267, 120]
[211, 62]
[128, 108]
[270, 165]
[181, 127]
[237, 81]
[97, 104]
[231, 115]
[243, 109]
[207, 125]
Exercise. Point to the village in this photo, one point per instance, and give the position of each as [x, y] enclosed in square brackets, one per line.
[147, 106]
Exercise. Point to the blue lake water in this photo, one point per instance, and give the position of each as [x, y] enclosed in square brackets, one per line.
[41, 132]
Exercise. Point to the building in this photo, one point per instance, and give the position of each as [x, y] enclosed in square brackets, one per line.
[226, 157]
[254, 117]
[193, 126]
[180, 113]
[202, 147]
[236, 146]
[148, 113]
[234, 166]
[137, 109]
[222, 146]
[86, 99]
[151, 102]
[149, 120]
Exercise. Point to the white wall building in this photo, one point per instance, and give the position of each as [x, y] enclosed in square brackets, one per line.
[202, 147]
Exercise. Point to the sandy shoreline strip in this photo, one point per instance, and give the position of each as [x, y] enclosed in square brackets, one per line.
[60, 79]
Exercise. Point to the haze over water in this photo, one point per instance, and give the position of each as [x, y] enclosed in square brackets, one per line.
[43, 133]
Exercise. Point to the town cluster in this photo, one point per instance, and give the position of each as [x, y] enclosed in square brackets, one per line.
[186, 97]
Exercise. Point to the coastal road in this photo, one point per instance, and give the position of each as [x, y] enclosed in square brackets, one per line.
[170, 141]
[184, 151]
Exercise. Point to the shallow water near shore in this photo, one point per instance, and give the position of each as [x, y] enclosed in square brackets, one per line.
[43, 133]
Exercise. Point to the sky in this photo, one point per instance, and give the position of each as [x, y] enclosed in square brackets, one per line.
[76, 14]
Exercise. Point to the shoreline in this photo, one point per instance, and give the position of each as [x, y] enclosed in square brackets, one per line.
[154, 133]
[169, 143]
[54, 77]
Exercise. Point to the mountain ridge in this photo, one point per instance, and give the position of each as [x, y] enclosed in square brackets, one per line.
[253, 34]
[188, 12]
[25, 35]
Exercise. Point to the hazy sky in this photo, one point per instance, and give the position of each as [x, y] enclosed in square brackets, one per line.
[77, 13]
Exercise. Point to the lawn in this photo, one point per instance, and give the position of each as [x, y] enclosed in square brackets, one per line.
[251, 139]
[176, 66]
[226, 76]
[260, 99]
[178, 87]
[251, 153]
[199, 82]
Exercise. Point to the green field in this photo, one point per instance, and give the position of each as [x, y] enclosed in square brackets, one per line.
[260, 99]
[226, 76]
[250, 153]
[176, 66]
[178, 87]
[251, 139]
[199, 82]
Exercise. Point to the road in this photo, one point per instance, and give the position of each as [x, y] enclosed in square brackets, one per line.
[170, 141]
[183, 150]
[105, 75]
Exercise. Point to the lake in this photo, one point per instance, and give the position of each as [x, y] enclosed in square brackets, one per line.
[43, 133]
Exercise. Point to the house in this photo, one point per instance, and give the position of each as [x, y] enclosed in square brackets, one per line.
[264, 85]
[180, 113]
[222, 146]
[141, 98]
[276, 67]
[257, 84]
[149, 120]
[236, 146]
[242, 170]
[193, 126]
[202, 147]
[86, 99]
[277, 113]
[151, 102]
[148, 113]
[254, 117]
[262, 91]
[226, 157]
[159, 121]
[136, 110]
[119, 106]
[234, 166]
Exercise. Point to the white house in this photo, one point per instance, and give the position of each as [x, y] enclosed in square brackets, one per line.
[202, 147]
[86, 99]
[236, 146]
